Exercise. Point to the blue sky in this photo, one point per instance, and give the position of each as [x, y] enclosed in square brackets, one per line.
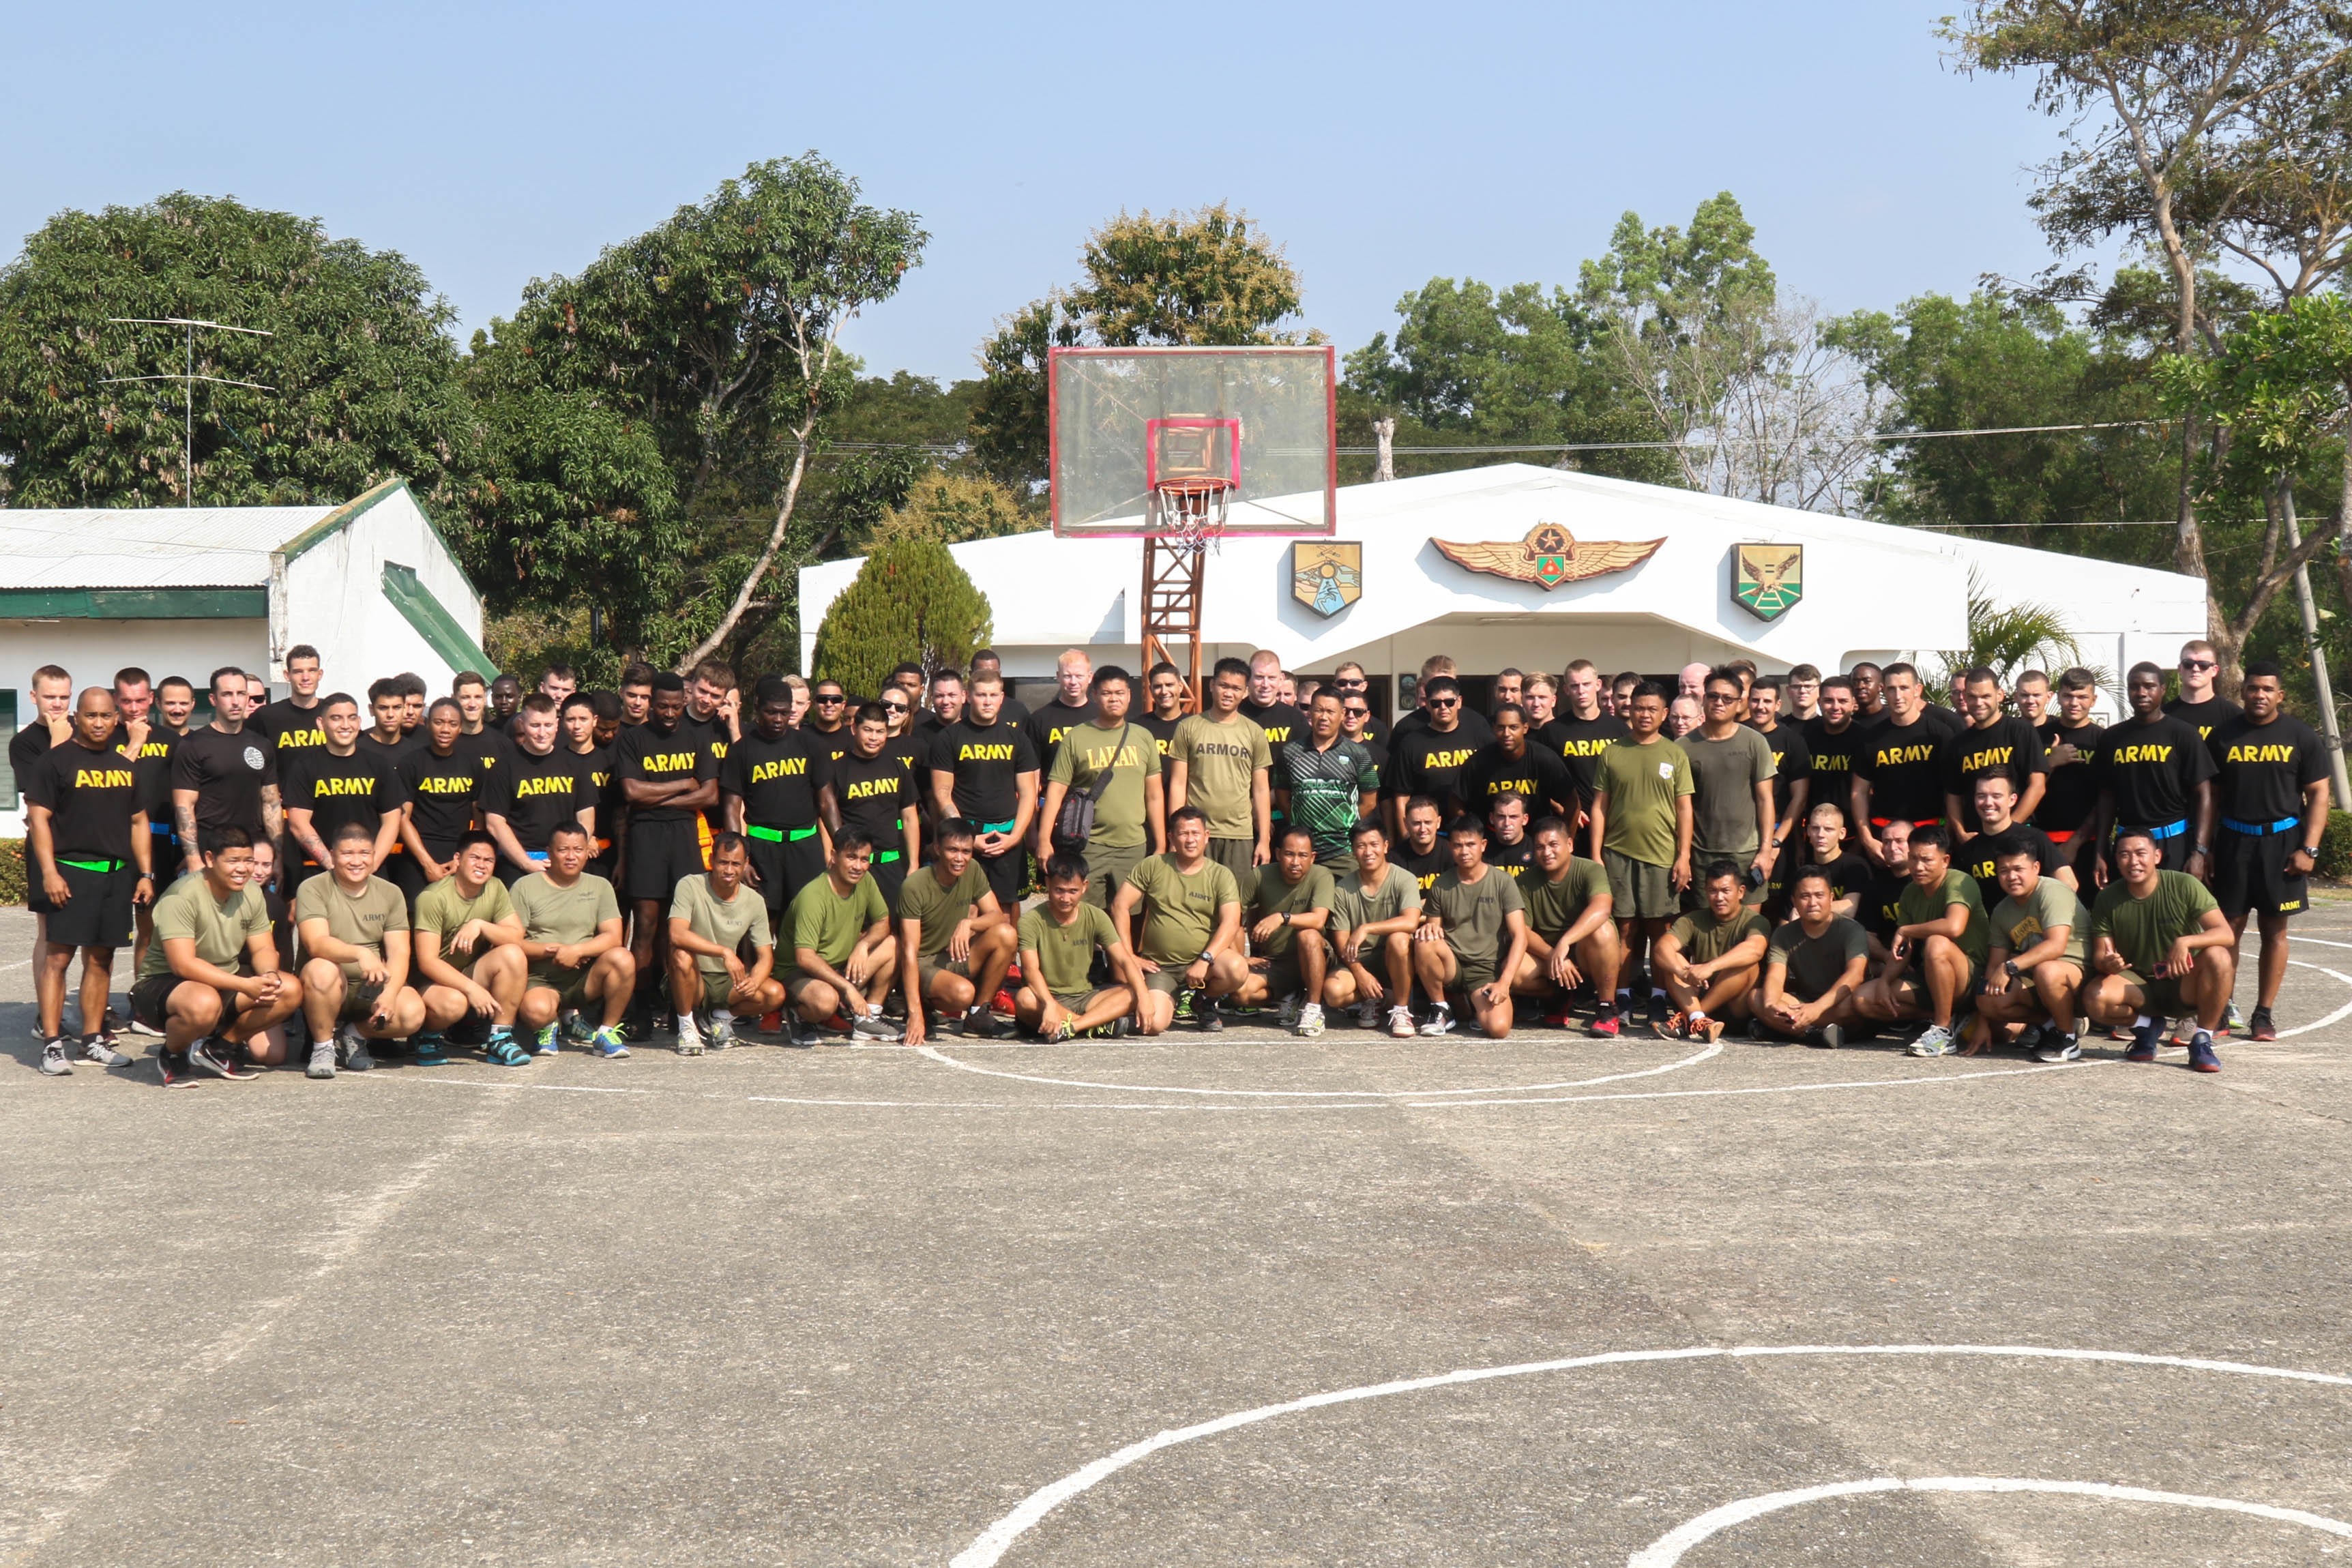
[1383, 144]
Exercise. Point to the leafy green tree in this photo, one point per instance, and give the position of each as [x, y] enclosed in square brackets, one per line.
[364, 382]
[1206, 277]
[951, 509]
[911, 601]
[720, 330]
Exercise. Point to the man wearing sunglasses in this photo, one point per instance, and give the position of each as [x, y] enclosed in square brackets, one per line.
[828, 719]
[2198, 706]
[1428, 760]
[1355, 689]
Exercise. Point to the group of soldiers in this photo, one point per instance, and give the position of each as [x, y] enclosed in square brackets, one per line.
[511, 873]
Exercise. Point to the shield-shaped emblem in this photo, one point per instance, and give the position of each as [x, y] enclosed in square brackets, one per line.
[1325, 575]
[1768, 580]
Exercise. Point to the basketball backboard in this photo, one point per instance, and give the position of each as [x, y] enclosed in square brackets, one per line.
[1253, 426]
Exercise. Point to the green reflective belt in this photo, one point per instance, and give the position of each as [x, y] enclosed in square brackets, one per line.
[778, 835]
[886, 856]
[95, 865]
[1003, 827]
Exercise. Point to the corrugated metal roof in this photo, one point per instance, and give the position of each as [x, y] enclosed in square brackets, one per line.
[146, 547]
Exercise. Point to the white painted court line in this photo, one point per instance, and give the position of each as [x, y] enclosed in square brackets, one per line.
[1769, 1088]
[2342, 1012]
[1669, 1548]
[992, 1544]
[1713, 1049]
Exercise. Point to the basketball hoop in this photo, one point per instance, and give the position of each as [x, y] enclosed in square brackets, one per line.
[1191, 510]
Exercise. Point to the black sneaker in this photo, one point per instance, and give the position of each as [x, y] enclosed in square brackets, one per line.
[1211, 1014]
[2056, 1047]
[174, 1068]
[217, 1058]
[1829, 1037]
[1661, 1010]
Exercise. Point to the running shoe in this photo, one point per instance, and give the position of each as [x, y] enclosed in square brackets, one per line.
[1186, 1000]
[2232, 1020]
[574, 1027]
[1310, 1021]
[606, 1045]
[1934, 1041]
[1211, 1014]
[1604, 1025]
[1660, 1008]
[432, 1048]
[2055, 1047]
[1673, 1025]
[1401, 1022]
[689, 1043]
[53, 1059]
[1368, 1014]
[772, 1022]
[506, 1054]
[141, 1025]
[1439, 1021]
[351, 1049]
[543, 1039]
[2263, 1027]
[982, 1024]
[2201, 1058]
[1066, 1029]
[1702, 1027]
[218, 1058]
[323, 1059]
[1829, 1037]
[99, 1050]
[172, 1066]
[721, 1033]
[1115, 1030]
[872, 1025]
[2143, 1046]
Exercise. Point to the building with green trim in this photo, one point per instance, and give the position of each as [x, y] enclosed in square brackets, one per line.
[371, 584]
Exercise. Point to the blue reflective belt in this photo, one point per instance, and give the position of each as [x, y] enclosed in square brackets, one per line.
[2260, 830]
[2169, 830]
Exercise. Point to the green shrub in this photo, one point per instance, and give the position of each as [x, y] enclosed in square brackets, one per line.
[2336, 846]
[12, 872]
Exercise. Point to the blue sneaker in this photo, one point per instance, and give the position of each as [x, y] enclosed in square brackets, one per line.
[543, 1039]
[505, 1053]
[2143, 1046]
[606, 1043]
[431, 1049]
[575, 1028]
[2201, 1058]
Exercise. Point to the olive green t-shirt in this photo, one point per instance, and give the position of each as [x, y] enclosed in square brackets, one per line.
[1816, 962]
[2052, 904]
[565, 915]
[1131, 754]
[220, 930]
[1398, 892]
[830, 926]
[1918, 906]
[442, 909]
[1724, 776]
[1642, 783]
[939, 909]
[360, 919]
[1180, 912]
[1705, 938]
[1275, 896]
[745, 914]
[1066, 954]
[1472, 913]
[1221, 763]
[2143, 929]
[1554, 907]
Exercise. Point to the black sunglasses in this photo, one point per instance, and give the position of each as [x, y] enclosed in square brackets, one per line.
[827, 697]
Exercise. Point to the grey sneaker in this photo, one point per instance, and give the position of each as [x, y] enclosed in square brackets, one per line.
[322, 1061]
[352, 1046]
[1368, 1015]
[1934, 1041]
[721, 1033]
[1288, 1015]
[873, 1026]
[53, 1059]
[99, 1049]
[139, 1026]
[2231, 1018]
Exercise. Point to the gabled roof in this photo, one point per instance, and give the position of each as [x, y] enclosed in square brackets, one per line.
[164, 547]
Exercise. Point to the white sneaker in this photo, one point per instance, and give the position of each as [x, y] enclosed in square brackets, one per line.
[1310, 1021]
[1400, 1022]
[1288, 1017]
[323, 1059]
[1440, 1020]
[1368, 1015]
[722, 1033]
[1934, 1041]
[689, 1037]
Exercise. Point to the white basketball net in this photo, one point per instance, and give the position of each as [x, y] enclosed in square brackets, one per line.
[1191, 512]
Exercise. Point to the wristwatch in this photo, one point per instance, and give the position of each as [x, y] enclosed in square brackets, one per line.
[2010, 969]
[2203, 850]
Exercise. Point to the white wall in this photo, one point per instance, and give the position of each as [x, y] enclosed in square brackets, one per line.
[335, 600]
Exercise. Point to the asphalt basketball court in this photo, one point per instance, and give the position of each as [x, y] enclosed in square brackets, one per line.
[1235, 1299]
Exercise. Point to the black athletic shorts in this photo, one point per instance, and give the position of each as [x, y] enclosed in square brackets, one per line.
[512, 873]
[401, 870]
[1004, 873]
[889, 871]
[97, 911]
[786, 865]
[662, 855]
[149, 997]
[2249, 874]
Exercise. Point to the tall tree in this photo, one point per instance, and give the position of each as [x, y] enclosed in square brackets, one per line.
[721, 330]
[2158, 96]
[1204, 277]
[363, 381]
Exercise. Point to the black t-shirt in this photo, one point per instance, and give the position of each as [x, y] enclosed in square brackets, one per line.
[1473, 722]
[1833, 766]
[650, 756]
[154, 770]
[2264, 768]
[1579, 743]
[1425, 867]
[442, 793]
[1975, 859]
[487, 749]
[2153, 770]
[986, 762]
[1792, 760]
[1424, 762]
[26, 747]
[336, 790]
[872, 793]
[2070, 792]
[1852, 874]
[1163, 730]
[776, 778]
[827, 744]
[1877, 911]
[1015, 712]
[1900, 761]
[229, 773]
[1538, 776]
[537, 795]
[1513, 858]
[595, 765]
[2204, 718]
[291, 730]
[91, 797]
[1283, 724]
[395, 749]
[710, 732]
[2007, 745]
[1046, 726]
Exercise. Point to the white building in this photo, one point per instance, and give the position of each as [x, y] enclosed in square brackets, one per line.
[183, 590]
[1872, 591]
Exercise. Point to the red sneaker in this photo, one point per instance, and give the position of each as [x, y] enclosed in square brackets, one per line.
[1605, 1027]
[1003, 1003]
[773, 1023]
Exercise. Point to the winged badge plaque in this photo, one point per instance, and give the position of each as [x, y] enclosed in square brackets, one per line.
[1769, 579]
[1550, 556]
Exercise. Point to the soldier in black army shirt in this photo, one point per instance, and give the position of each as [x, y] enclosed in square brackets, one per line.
[768, 785]
[1992, 741]
[983, 769]
[329, 787]
[869, 786]
[442, 784]
[2156, 773]
[2270, 796]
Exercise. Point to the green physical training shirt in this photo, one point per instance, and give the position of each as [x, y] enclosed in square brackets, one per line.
[2052, 904]
[937, 908]
[442, 908]
[360, 919]
[1222, 763]
[1399, 891]
[1066, 954]
[1918, 906]
[2143, 929]
[1132, 756]
[1554, 907]
[1724, 776]
[220, 930]
[829, 924]
[1816, 962]
[1275, 896]
[1472, 913]
[564, 915]
[1642, 783]
[727, 923]
[1705, 938]
[1180, 912]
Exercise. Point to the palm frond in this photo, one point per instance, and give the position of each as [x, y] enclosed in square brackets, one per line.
[2009, 638]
